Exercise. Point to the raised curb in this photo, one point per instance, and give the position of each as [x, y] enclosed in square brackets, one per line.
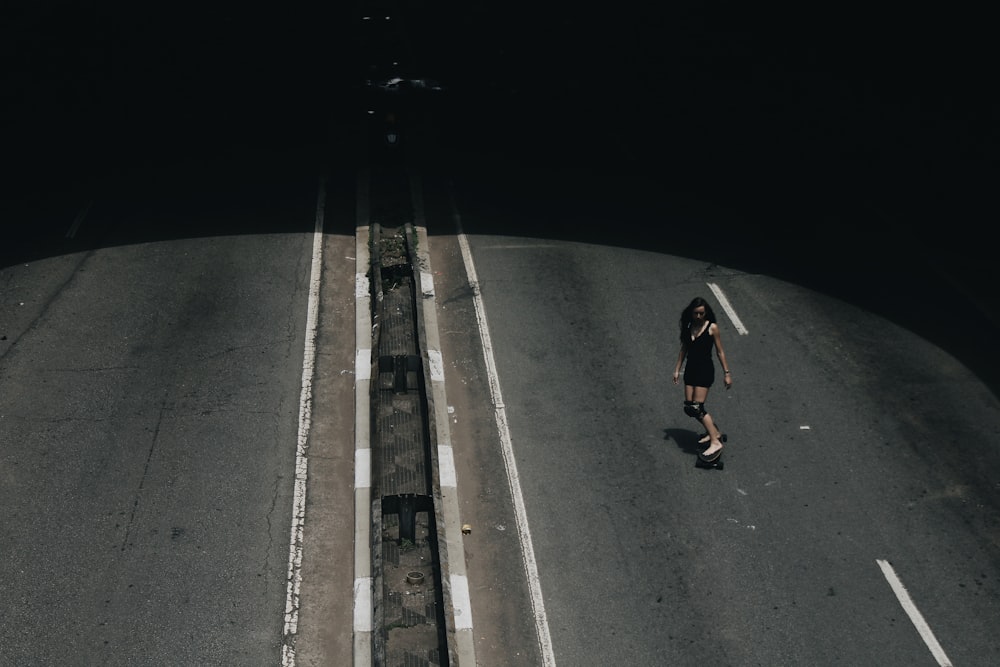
[363, 592]
[450, 542]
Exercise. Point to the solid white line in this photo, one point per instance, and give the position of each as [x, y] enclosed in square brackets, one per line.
[78, 220]
[305, 421]
[507, 448]
[915, 616]
[724, 302]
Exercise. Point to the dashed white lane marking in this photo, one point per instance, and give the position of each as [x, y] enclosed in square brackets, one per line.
[507, 448]
[464, 639]
[461, 601]
[724, 302]
[363, 364]
[915, 616]
[426, 283]
[446, 464]
[436, 365]
[363, 335]
[363, 604]
[305, 421]
[362, 468]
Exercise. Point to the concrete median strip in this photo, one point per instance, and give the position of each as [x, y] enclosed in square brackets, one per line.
[388, 467]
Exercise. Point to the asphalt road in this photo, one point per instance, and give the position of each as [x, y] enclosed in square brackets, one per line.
[851, 440]
[185, 332]
[152, 366]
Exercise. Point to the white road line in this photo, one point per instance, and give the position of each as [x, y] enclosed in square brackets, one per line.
[451, 526]
[78, 220]
[446, 463]
[915, 616]
[363, 605]
[363, 363]
[363, 581]
[513, 480]
[436, 364]
[724, 302]
[301, 460]
[461, 602]
[362, 468]
[427, 284]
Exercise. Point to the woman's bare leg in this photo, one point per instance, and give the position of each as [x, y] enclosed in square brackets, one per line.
[700, 395]
[715, 443]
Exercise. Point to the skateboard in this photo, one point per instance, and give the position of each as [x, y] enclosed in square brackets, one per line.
[716, 463]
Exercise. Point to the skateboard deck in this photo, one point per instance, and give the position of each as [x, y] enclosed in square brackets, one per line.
[716, 463]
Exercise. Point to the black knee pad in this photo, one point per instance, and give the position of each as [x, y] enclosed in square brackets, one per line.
[694, 409]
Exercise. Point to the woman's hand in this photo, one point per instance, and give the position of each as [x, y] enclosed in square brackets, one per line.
[677, 376]
[729, 380]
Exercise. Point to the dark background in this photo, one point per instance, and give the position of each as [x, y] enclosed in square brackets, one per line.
[850, 149]
[848, 109]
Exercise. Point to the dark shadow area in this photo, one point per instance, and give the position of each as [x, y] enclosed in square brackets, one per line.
[852, 153]
[210, 111]
[687, 442]
[685, 439]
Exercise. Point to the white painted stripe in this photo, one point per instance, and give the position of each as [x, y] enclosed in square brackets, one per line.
[724, 302]
[78, 220]
[461, 608]
[461, 601]
[363, 604]
[915, 616]
[363, 594]
[426, 283]
[305, 421]
[507, 449]
[446, 466]
[362, 468]
[363, 364]
[361, 286]
[437, 365]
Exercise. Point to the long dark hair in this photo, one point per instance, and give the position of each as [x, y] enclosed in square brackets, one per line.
[686, 318]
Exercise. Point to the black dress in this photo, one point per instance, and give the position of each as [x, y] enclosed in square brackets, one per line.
[699, 371]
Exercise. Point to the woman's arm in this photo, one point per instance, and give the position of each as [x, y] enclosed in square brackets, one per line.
[677, 366]
[721, 353]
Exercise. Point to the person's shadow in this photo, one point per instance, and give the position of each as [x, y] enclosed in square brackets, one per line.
[685, 439]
